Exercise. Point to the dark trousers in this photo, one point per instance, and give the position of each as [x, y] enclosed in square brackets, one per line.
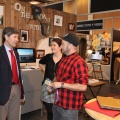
[48, 107]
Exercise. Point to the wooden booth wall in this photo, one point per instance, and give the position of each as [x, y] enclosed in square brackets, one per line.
[111, 20]
[13, 18]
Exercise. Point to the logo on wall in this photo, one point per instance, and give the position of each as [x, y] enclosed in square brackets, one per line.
[36, 15]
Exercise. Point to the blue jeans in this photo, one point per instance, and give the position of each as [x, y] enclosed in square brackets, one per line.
[60, 113]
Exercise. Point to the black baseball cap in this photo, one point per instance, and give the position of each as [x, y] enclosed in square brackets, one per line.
[71, 38]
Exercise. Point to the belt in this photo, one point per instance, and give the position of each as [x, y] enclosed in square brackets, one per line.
[14, 83]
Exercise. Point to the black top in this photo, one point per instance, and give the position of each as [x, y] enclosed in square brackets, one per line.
[50, 66]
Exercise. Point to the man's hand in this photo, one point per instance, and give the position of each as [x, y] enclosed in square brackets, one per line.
[55, 85]
[49, 89]
[22, 101]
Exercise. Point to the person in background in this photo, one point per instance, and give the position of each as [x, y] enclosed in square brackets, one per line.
[71, 81]
[11, 88]
[51, 62]
[83, 48]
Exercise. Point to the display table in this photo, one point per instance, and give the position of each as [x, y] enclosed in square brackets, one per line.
[117, 69]
[99, 116]
[105, 69]
[32, 80]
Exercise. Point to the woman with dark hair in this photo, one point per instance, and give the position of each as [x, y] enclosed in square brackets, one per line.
[50, 61]
[83, 48]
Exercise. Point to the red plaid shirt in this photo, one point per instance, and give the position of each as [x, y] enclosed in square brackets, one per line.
[72, 69]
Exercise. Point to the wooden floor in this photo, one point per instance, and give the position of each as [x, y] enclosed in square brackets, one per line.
[108, 88]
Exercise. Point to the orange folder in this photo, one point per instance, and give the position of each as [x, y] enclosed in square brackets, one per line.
[96, 107]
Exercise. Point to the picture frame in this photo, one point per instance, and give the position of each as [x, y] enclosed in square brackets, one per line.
[58, 20]
[102, 43]
[40, 54]
[2, 16]
[71, 26]
[50, 39]
[24, 35]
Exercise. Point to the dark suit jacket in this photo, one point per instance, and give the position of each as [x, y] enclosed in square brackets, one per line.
[6, 76]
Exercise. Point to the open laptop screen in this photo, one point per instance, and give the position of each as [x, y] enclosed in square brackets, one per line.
[96, 56]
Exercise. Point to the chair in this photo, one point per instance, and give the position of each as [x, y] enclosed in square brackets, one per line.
[97, 71]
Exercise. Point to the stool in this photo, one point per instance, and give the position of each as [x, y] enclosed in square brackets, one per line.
[97, 71]
[96, 84]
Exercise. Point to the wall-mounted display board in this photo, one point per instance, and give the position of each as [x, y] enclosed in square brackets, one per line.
[103, 5]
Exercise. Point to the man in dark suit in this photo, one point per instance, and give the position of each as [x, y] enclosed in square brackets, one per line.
[11, 93]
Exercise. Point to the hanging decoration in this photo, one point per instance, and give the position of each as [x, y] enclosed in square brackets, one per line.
[45, 26]
[101, 40]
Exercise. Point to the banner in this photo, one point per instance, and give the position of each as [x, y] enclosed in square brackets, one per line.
[90, 25]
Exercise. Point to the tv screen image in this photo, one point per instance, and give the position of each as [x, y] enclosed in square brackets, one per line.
[96, 56]
[26, 55]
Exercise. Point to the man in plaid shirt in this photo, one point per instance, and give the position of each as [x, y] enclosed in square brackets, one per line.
[72, 78]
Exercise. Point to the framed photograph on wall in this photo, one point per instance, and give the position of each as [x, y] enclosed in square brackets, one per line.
[23, 35]
[1, 16]
[71, 26]
[102, 43]
[50, 39]
[40, 54]
[58, 20]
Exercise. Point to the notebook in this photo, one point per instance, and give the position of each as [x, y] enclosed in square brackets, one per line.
[96, 107]
[109, 102]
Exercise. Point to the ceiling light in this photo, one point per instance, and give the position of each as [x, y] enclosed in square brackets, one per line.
[34, 2]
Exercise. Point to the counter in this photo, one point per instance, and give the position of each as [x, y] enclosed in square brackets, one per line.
[32, 80]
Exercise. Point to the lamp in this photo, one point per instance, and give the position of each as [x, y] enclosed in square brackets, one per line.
[89, 51]
[34, 2]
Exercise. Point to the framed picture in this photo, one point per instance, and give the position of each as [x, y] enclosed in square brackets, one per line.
[40, 54]
[2, 16]
[71, 26]
[58, 20]
[23, 35]
[102, 43]
[50, 39]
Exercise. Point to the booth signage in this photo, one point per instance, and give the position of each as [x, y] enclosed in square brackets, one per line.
[90, 25]
[36, 10]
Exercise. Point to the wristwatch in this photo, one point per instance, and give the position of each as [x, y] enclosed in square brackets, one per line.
[62, 85]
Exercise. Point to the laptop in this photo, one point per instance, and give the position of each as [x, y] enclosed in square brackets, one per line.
[109, 102]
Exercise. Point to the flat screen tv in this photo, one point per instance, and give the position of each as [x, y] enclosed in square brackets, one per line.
[26, 55]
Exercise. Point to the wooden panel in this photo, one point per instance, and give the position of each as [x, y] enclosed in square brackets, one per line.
[116, 23]
[95, 32]
[82, 18]
[107, 23]
[82, 6]
[2, 1]
[106, 15]
[14, 18]
[8, 13]
[70, 7]
[110, 19]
